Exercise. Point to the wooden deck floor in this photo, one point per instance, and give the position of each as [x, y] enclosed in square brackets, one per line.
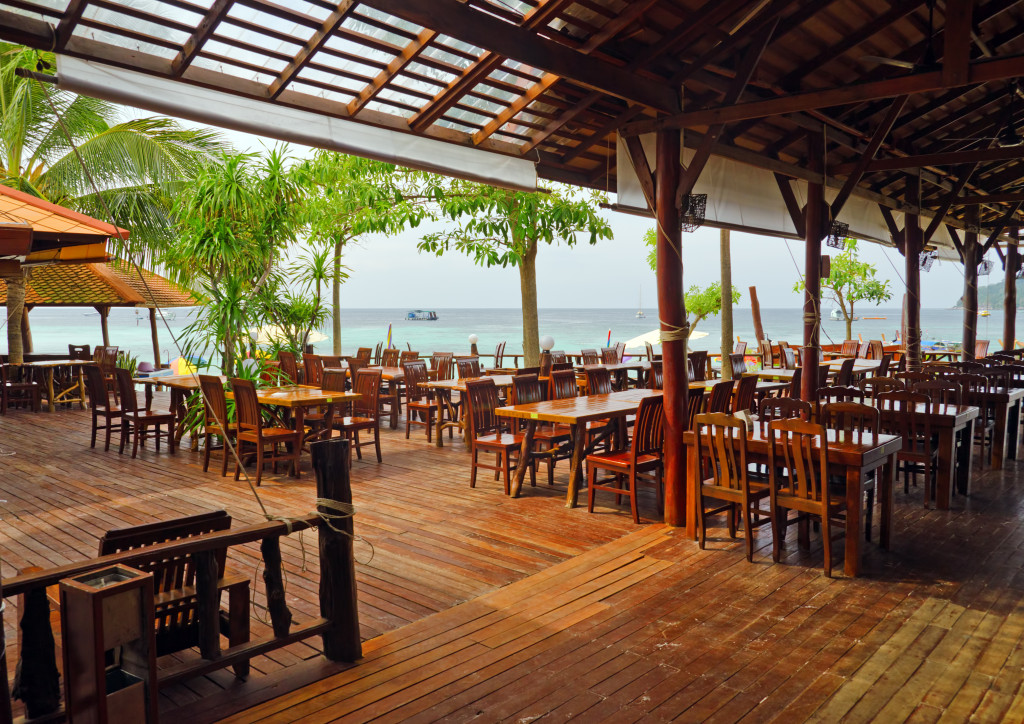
[479, 607]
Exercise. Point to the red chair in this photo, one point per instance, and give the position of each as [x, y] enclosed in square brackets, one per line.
[251, 433]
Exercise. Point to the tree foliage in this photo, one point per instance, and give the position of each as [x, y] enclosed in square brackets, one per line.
[850, 281]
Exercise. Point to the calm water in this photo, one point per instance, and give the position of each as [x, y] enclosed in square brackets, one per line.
[572, 329]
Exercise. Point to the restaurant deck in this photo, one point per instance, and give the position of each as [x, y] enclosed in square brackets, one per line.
[474, 605]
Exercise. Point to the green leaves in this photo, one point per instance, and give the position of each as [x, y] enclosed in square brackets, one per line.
[852, 280]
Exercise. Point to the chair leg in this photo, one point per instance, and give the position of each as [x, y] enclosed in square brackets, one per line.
[224, 457]
[748, 530]
[701, 522]
[259, 462]
[870, 514]
[826, 540]
[139, 431]
[591, 479]
[376, 441]
[777, 528]
[124, 436]
[95, 421]
[358, 445]
[632, 495]
[206, 453]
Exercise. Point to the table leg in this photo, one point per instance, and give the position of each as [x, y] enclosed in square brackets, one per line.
[886, 482]
[149, 397]
[524, 457]
[299, 420]
[999, 436]
[177, 407]
[50, 405]
[692, 483]
[854, 520]
[1013, 431]
[965, 458]
[439, 423]
[81, 388]
[579, 454]
[395, 397]
[944, 472]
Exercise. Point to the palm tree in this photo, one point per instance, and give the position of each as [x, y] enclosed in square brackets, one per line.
[138, 165]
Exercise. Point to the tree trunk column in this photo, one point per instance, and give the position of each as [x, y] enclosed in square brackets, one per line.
[1010, 294]
[726, 274]
[814, 225]
[104, 311]
[156, 337]
[15, 304]
[672, 314]
[336, 300]
[912, 257]
[528, 289]
[970, 300]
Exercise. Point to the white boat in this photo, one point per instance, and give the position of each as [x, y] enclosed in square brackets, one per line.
[640, 306]
[421, 315]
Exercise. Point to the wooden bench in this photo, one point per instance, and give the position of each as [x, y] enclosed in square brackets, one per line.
[174, 582]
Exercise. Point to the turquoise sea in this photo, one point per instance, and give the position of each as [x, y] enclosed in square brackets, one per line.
[572, 329]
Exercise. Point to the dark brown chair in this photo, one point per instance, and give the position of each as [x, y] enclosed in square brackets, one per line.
[365, 354]
[909, 378]
[469, 367]
[484, 431]
[739, 348]
[940, 392]
[883, 367]
[251, 433]
[17, 387]
[590, 357]
[407, 356]
[743, 397]
[138, 422]
[767, 358]
[839, 393]
[390, 357]
[981, 348]
[798, 469]
[376, 353]
[81, 351]
[700, 365]
[331, 361]
[528, 389]
[608, 356]
[854, 420]
[365, 412]
[215, 421]
[289, 368]
[873, 386]
[558, 357]
[106, 358]
[722, 440]
[313, 367]
[794, 383]
[419, 407]
[783, 408]
[656, 377]
[694, 405]
[641, 462]
[975, 388]
[99, 402]
[849, 348]
[721, 397]
[442, 365]
[562, 384]
[739, 365]
[620, 350]
[919, 452]
[599, 380]
[788, 358]
[876, 350]
[499, 355]
[863, 350]
[844, 378]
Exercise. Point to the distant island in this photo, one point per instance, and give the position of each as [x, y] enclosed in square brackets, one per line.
[990, 296]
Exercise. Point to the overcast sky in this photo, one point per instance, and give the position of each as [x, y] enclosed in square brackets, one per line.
[390, 272]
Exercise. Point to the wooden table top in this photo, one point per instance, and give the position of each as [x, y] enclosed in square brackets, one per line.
[940, 415]
[298, 396]
[762, 385]
[59, 363]
[460, 385]
[576, 410]
[997, 394]
[857, 451]
[178, 382]
[620, 366]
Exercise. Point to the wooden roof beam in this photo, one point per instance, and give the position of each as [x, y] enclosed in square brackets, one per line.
[217, 12]
[953, 158]
[989, 199]
[317, 41]
[66, 26]
[940, 214]
[956, 44]
[397, 64]
[999, 226]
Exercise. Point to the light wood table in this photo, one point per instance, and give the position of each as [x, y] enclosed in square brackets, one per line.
[296, 398]
[443, 398]
[75, 392]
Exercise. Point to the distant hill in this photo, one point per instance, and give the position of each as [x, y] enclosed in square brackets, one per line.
[990, 296]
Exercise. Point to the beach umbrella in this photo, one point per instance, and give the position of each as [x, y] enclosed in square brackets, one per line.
[389, 336]
[271, 333]
[654, 337]
[609, 344]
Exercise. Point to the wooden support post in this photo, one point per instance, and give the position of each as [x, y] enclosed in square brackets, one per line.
[970, 299]
[1010, 293]
[207, 603]
[672, 313]
[26, 330]
[726, 313]
[755, 310]
[338, 600]
[814, 226]
[36, 680]
[277, 605]
[104, 311]
[912, 258]
[156, 337]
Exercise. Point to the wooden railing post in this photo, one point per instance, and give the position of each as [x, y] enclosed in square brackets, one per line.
[207, 603]
[37, 681]
[277, 605]
[338, 602]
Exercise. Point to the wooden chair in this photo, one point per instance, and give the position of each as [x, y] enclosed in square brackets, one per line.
[722, 439]
[215, 421]
[590, 357]
[620, 351]
[289, 367]
[883, 367]
[469, 367]
[250, 432]
[365, 412]
[694, 405]
[137, 422]
[838, 393]
[849, 348]
[981, 348]
[739, 365]
[599, 380]
[656, 376]
[743, 397]
[854, 420]
[105, 358]
[844, 378]
[313, 367]
[649, 348]
[390, 357]
[788, 358]
[873, 386]
[18, 387]
[331, 361]
[558, 357]
[919, 451]
[376, 353]
[909, 378]
[99, 402]
[863, 350]
[174, 580]
[783, 408]
[795, 382]
[721, 397]
[407, 356]
[527, 389]
[641, 462]
[365, 354]
[81, 351]
[700, 365]
[419, 406]
[442, 365]
[876, 350]
[608, 356]
[798, 469]
[974, 387]
[499, 355]
[767, 358]
[484, 431]
[940, 392]
[739, 348]
[562, 385]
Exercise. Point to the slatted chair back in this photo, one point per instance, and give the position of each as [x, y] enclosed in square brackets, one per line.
[739, 348]
[649, 428]
[364, 353]
[863, 350]
[872, 386]
[563, 366]
[443, 363]
[313, 367]
[940, 391]
[823, 373]
[126, 389]
[883, 367]
[469, 367]
[334, 381]
[876, 350]
[723, 439]
[390, 357]
[939, 370]
[80, 351]
[981, 348]
[971, 366]
[689, 368]
[721, 397]
[795, 382]
[527, 389]
[650, 351]
[854, 420]
[788, 358]
[106, 358]
[481, 401]
[844, 378]
[849, 348]
[590, 357]
[415, 378]
[997, 376]
[562, 384]
[739, 364]
[694, 405]
[99, 397]
[407, 356]
[331, 361]
[599, 380]
[839, 393]
[289, 367]
[767, 358]
[499, 354]
[699, 358]
[743, 398]
[215, 405]
[354, 365]
[798, 459]
[608, 356]
[376, 353]
[656, 376]
[1015, 375]
[908, 423]
[528, 371]
[366, 384]
[783, 408]
[909, 378]
[973, 383]
[247, 407]
[620, 351]
[558, 357]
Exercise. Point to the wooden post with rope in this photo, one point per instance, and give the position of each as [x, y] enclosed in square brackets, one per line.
[338, 601]
[1010, 292]
[972, 257]
[814, 228]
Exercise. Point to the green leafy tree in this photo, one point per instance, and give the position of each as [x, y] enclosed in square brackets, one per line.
[850, 281]
[350, 197]
[700, 302]
[234, 222]
[498, 227]
[139, 165]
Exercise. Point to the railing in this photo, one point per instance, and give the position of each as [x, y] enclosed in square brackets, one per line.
[37, 682]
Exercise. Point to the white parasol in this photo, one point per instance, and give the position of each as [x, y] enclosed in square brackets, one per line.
[270, 333]
[654, 337]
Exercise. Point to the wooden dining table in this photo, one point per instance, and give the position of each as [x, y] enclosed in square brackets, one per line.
[620, 371]
[393, 376]
[851, 459]
[575, 412]
[860, 368]
[181, 387]
[1006, 435]
[75, 392]
[296, 398]
[443, 398]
